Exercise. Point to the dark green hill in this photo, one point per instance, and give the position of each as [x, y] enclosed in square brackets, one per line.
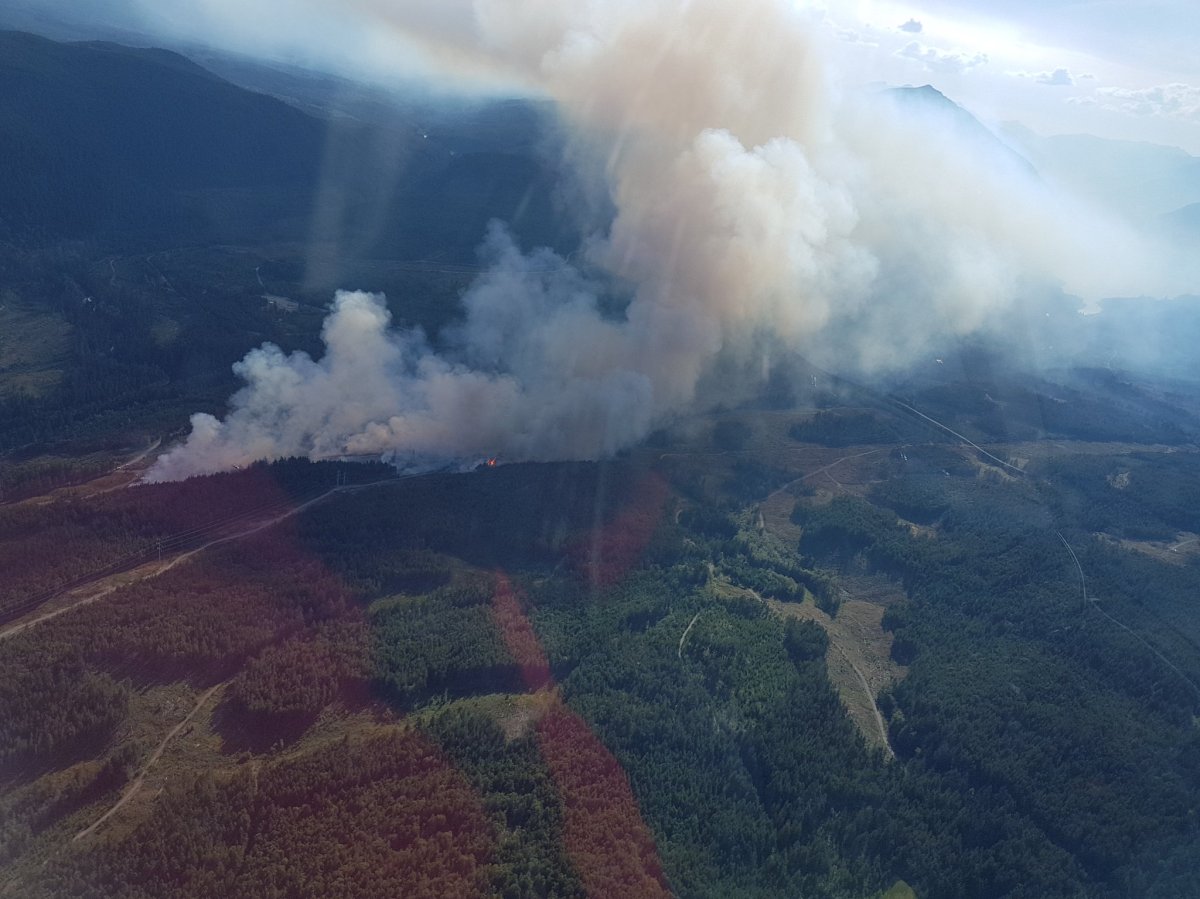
[96, 137]
[143, 148]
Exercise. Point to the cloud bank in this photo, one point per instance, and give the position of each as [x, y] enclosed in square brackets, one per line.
[936, 60]
[1179, 101]
[1058, 78]
[753, 199]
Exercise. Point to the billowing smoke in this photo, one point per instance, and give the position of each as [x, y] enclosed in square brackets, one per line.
[752, 197]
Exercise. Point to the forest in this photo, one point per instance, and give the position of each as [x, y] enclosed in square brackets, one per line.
[498, 682]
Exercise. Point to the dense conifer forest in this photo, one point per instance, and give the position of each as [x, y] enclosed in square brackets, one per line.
[666, 666]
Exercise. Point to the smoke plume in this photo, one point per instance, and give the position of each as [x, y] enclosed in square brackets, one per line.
[752, 195]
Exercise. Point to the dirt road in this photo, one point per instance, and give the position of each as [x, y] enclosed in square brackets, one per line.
[136, 784]
[90, 591]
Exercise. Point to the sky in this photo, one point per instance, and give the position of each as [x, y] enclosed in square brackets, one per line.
[1121, 69]
[1114, 68]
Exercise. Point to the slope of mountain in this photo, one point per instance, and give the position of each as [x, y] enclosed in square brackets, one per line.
[108, 19]
[928, 101]
[636, 678]
[119, 143]
[455, 165]
[1139, 180]
[1184, 221]
[150, 209]
[97, 135]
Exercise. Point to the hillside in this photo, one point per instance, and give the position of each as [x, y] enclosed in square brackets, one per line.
[146, 146]
[100, 137]
[1185, 221]
[926, 103]
[151, 210]
[1138, 180]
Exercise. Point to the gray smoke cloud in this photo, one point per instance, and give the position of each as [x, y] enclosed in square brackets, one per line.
[752, 195]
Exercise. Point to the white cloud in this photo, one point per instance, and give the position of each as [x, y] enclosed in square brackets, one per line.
[1058, 78]
[850, 36]
[912, 26]
[1172, 101]
[941, 60]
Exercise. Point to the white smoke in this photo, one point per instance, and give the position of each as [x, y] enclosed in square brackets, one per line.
[750, 198]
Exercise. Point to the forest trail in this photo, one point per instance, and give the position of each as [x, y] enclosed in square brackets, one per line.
[253, 529]
[1092, 602]
[870, 695]
[856, 691]
[104, 585]
[136, 784]
[142, 455]
[824, 469]
[683, 639]
[856, 640]
[110, 582]
[958, 436]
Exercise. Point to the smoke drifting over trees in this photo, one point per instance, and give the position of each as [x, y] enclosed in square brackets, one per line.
[751, 198]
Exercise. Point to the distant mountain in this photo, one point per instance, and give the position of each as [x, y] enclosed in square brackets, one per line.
[929, 101]
[1139, 180]
[1184, 222]
[131, 145]
[98, 136]
[61, 20]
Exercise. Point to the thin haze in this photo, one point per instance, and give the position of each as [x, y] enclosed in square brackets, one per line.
[754, 197]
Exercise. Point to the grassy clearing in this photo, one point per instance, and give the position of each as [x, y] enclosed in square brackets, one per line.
[1179, 551]
[34, 344]
[859, 651]
[516, 713]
